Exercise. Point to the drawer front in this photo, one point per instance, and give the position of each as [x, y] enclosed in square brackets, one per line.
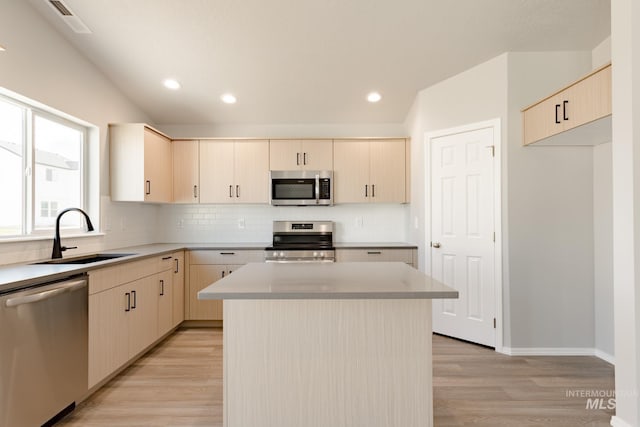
[242, 256]
[375, 254]
[110, 277]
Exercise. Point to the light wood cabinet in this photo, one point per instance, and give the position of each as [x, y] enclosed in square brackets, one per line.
[186, 168]
[370, 171]
[373, 254]
[178, 288]
[585, 102]
[207, 267]
[130, 308]
[141, 166]
[305, 154]
[234, 171]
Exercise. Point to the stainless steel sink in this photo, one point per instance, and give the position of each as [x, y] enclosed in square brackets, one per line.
[85, 259]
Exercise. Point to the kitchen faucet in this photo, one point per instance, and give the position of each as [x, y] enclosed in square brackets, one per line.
[57, 249]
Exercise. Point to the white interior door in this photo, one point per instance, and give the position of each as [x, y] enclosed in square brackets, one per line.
[462, 233]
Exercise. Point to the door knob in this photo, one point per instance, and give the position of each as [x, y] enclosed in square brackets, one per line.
[435, 245]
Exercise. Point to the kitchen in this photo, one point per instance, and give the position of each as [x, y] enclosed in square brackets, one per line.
[23, 71]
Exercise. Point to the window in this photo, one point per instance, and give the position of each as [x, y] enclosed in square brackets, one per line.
[42, 162]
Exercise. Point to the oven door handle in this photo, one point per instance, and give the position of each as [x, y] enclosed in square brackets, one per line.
[317, 189]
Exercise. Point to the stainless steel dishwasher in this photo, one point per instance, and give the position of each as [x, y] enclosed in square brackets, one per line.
[43, 351]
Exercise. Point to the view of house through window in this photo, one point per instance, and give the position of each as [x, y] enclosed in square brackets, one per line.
[41, 167]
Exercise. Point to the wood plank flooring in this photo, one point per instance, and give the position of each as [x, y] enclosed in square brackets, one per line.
[179, 383]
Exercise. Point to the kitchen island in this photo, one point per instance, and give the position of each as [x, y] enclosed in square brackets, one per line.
[327, 344]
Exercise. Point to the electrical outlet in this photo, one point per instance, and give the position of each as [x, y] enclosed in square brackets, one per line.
[241, 223]
[181, 223]
[359, 221]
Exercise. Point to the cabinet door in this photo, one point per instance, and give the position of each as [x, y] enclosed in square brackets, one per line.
[108, 333]
[387, 171]
[164, 292]
[158, 167]
[317, 154]
[588, 99]
[143, 317]
[351, 171]
[185, 171]
[541, 120]
[251, 171]
[201, 276]
[285, 154]
[178, 288]
[216, 172]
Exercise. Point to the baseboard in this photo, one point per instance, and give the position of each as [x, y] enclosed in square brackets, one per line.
[605, 356]
[548, 351]
[617, 422]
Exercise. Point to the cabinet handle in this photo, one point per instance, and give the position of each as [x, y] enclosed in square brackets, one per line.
[133, 294]
[230, 271]
[227, 253]
[557, 111]
[298, 159]
[373, 190]
[564, 110]
[195, 191]
[231, 191]
[177, 266]
[166, 257]
[147, 184]
[374, 253]
[366, 191]
[161, 287]
[223, 274]
[128, 307]
[304, 158]
[237, 191]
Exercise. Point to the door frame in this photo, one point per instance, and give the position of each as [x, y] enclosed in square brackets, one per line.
[494, 124]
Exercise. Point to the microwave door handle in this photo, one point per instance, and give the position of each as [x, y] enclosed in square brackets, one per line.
[317, 189]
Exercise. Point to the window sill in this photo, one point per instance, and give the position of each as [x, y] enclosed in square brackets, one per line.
[36, 238]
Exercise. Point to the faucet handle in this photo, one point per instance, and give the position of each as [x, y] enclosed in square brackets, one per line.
[64, 248]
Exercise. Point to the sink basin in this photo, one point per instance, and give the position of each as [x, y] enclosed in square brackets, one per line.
[85, 259]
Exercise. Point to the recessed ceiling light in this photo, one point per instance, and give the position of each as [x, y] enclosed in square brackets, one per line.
[228, 98]
[374, 97]
[171, 84]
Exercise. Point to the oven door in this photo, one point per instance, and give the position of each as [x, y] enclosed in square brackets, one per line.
[300, 188]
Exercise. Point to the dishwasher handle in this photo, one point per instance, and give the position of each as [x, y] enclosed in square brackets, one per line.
[28, 299]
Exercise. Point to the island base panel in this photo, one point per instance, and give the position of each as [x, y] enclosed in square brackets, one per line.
[328, 363]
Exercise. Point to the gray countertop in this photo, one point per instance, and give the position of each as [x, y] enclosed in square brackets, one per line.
[17, 276]
[349, 280]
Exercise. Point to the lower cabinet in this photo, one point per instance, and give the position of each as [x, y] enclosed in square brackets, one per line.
[130, 307]
[406, 255]
[178, 288]
[207, 267]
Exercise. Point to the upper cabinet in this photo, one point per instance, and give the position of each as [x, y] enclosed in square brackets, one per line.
[141, 166]
[584, 108]
[369, 171]
[186, 175]
[307, 154]
[234, 171]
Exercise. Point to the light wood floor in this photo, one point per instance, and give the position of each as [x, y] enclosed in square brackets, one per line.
[179, 383]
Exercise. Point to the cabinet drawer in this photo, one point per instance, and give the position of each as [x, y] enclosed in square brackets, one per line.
[110, 277]
[374, 254]
[225, 256]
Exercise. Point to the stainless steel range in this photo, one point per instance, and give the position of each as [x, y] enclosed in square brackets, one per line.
[301, 241]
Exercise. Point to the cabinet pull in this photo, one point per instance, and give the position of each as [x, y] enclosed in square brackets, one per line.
[366, 191]
[304, 158]
[195, 191]
[231, 191]
[374, 253]
[298, 159]
[177, 266]
[161, 287]
[237, 191]
[166, 257]
[147, 190]
[230, 271]
[133, 294]
[128, 307]
[223, 274]
[564, 110]
[557, 111]
[373, 190]
[227, 253]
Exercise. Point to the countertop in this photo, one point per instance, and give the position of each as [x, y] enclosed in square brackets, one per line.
[22, 275]
[348, 280]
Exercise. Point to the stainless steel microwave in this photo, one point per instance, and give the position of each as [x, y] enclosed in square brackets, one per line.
[301, 188]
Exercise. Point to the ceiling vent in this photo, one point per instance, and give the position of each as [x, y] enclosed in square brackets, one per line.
[68, 17]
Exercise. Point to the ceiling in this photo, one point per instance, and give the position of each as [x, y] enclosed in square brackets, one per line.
[304, 61]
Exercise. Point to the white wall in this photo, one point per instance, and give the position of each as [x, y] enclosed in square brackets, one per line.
[40, 64]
